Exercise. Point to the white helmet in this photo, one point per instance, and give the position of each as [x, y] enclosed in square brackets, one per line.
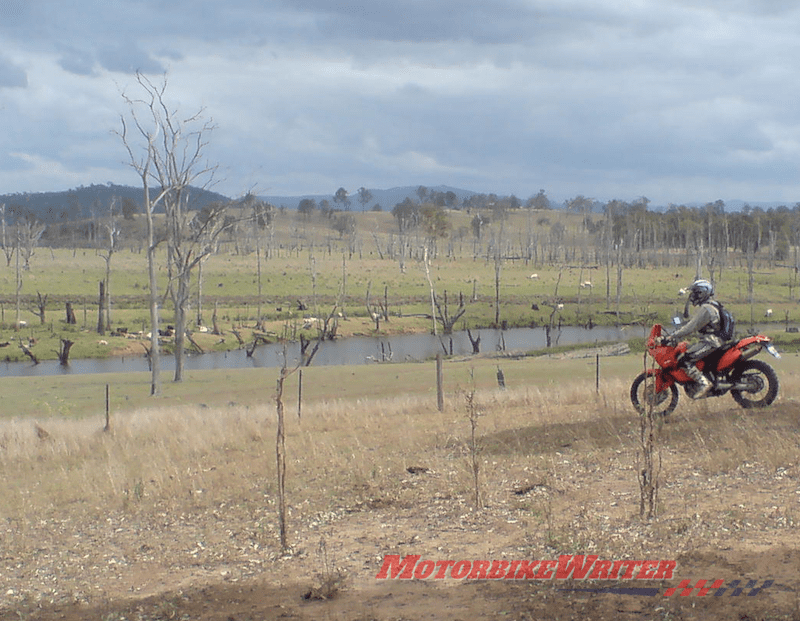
[700, 291]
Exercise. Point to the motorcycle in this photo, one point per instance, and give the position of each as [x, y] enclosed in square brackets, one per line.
[751, 383]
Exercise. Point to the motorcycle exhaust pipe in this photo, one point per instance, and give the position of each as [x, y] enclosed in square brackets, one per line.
[751, 350]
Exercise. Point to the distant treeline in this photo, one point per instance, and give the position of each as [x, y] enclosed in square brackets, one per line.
[87, 202]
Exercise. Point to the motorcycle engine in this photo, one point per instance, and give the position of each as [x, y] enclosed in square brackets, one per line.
[691, 389]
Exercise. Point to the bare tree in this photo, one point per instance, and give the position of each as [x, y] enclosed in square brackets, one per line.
[8, 247]
[193, 238]
[110, 230]
[29, 232]
[169, 158]
[262, 215]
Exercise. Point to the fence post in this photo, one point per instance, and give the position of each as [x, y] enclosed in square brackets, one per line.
[597, 375]
[439, 386]
[300, 394]
[108, 410]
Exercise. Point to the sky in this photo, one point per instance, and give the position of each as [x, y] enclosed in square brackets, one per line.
[679, 101]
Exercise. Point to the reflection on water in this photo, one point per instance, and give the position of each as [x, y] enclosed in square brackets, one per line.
[354, 350]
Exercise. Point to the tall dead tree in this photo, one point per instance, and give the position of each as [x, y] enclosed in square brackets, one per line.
[110, 235]
[193, 237]
[140, 135]
[8, 245]
[168, 157]
[29, 231]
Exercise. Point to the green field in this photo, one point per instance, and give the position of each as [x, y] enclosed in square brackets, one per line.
[305, 261]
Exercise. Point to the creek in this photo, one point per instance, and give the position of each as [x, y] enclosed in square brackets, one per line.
[347, 351]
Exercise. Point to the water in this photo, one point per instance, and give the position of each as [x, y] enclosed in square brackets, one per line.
[349, 351]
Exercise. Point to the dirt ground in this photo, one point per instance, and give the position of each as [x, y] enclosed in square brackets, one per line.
[222, 563]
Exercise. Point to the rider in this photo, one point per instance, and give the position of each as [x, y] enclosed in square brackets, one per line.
[707, 323]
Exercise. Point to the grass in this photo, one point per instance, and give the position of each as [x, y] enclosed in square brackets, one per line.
[164, 447]
[301, 248]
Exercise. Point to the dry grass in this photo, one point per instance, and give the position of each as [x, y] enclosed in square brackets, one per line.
[344, 452]
[184, 496]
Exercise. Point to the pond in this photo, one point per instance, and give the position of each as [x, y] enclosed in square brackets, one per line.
[347, 351]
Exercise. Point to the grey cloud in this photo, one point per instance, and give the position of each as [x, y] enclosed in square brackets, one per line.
[128, 57]
[79, 62]
[12, 75]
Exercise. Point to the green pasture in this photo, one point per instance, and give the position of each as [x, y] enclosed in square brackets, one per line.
[305, 262]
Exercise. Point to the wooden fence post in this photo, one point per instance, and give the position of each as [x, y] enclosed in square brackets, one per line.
[108, 410]
[439, 386]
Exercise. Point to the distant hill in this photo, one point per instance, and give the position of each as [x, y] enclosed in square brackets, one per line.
[80, 202]
[387, 199]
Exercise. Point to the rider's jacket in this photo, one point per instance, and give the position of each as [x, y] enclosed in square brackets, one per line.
[706, 321]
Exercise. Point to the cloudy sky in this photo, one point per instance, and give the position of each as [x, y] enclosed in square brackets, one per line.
[675, 100]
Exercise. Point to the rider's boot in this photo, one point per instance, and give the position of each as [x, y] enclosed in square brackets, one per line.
[698, 376]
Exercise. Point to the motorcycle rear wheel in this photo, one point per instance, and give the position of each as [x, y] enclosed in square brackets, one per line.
[643, 395]
[761, 377]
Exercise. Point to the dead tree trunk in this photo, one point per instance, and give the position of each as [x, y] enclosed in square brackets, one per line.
[476, 342]
[28, 352]
[101, 303]
[63, 352]
[70, 314]
[215, 329]
[41, 307]
[197, 347]
[444, 313]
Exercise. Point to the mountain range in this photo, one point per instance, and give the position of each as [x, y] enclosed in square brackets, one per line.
[86, 201]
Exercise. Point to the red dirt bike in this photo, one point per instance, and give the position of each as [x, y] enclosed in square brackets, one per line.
[752, 383]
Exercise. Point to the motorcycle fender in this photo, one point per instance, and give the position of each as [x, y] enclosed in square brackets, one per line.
[728, 358]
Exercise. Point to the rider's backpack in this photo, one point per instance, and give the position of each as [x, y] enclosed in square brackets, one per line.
[727, 324]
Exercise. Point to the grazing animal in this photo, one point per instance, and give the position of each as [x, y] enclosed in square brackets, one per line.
[768, 313]
[534, 276]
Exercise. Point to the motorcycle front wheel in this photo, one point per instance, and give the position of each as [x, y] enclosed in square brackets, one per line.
[644, 396]
[762, 384]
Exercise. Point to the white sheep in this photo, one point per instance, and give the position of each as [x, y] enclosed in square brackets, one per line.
[768, 313]
[534, 277]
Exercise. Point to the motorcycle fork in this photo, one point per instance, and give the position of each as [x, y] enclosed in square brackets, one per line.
[662, 378]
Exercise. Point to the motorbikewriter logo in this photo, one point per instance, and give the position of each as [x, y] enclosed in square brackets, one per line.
[567, 567]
